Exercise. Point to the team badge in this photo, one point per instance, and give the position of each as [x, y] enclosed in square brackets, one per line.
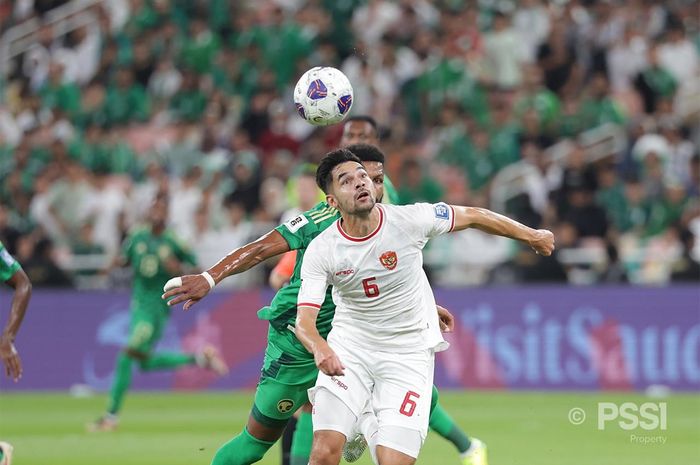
[389, 260]
[285, 405]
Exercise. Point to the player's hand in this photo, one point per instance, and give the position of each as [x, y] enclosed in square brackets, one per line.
[327, 361]
[447, 321]
[10, 357]
[190, 289]
[542, 242]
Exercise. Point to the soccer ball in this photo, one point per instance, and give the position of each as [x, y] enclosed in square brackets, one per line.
[323, 96]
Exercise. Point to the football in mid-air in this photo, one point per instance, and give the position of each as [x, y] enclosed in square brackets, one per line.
[323, 96]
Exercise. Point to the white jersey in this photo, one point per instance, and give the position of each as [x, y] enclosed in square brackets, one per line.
[382, 296]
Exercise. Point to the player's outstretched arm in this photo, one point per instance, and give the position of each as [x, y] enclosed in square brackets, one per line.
[541, 240]
[192, 288]
[23, 291]
[305, 329]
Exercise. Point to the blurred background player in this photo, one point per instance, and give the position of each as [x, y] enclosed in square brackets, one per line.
[12, 274]
[155, 255]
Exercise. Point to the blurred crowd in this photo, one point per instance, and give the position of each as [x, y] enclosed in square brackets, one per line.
[581, 116]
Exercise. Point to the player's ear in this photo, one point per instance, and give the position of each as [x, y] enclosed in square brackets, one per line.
[331, 200]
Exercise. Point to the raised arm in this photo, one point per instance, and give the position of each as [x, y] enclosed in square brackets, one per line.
[192, 288]
[541, 240]
[23, 291]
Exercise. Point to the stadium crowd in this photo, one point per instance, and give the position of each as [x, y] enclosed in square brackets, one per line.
[580, 116]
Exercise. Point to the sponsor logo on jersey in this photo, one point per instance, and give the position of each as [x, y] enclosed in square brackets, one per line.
[340, 384]
[345, 272]
[285, 405]
[442, 211]
[296, 223]
[389, 260]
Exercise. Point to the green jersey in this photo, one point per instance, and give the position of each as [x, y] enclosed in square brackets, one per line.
[299, 232]
[391, 195]
[147, 253]
[8, 265]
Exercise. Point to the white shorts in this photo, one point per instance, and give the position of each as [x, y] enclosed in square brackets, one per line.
[397, 385]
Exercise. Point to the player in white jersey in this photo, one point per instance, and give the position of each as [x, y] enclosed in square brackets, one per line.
[380, 351]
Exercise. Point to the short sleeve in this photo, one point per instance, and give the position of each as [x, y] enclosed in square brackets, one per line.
[314, 275]
[296, 231]
[8, 265]
[183, 252]
[128, 247]
[433, 219]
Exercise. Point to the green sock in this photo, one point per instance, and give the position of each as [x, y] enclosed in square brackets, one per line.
[167, 361]
[244, 449]
[434, 399]
[444, 425]
[303, 437]
[120, 384]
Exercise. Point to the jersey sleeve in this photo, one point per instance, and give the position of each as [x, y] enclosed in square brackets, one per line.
[314, 275]
[432, 219]
[8, 265]
[128, 247]
[183, 252]
[303, 228]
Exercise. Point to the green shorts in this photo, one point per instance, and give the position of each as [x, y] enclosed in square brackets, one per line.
[145, 330]
[288, 372]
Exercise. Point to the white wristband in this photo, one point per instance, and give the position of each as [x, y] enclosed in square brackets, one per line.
[209, 279]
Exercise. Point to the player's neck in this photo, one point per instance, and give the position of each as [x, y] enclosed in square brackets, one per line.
[362, 224]
[157, 230]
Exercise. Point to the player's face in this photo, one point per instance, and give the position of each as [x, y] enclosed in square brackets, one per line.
[158, 213]
[352, 191]
[375, 171]
[358, 132]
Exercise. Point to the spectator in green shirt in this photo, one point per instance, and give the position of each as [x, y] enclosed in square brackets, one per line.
[416, 186]
[126, 100]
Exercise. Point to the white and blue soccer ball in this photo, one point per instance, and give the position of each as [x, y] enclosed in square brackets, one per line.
[323, 96]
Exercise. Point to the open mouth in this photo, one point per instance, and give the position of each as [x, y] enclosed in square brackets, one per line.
[363, 195]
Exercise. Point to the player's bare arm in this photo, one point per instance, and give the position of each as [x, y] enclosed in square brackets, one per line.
[23, 291]
[305, 329]
[447, 321]
[541, 240]
[192, 288]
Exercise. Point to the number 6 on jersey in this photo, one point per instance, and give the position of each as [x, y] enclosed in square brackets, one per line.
[371, 290]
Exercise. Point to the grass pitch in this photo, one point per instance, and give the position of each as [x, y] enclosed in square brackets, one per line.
[187, 428]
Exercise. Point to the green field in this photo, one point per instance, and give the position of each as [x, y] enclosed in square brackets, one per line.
[173, 429]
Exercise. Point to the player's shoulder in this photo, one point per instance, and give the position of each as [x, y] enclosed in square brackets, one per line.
[315, 218]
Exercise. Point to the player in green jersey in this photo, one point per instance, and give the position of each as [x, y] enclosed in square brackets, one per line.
[288, 369]
[155, 255]
[11, 273]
